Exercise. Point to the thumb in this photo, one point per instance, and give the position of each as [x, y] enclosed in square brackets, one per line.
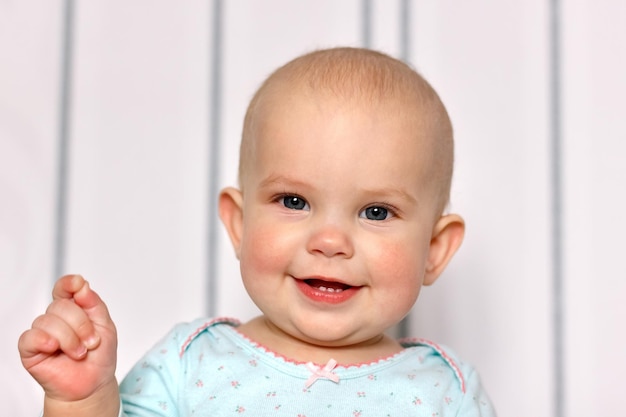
[77, 288]
[93, 305]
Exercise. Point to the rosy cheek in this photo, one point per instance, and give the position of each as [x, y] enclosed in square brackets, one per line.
[400, 266]
[262, 250]
[392, 258]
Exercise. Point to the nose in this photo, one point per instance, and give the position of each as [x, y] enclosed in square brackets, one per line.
[331, 240]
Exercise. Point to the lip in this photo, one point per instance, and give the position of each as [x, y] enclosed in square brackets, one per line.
[325, 290]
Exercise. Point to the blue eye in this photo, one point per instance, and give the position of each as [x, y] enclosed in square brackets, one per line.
[294, 202]
[376, 213]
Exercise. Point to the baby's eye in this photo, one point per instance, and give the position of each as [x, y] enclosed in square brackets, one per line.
[294, 202]
[376, 213]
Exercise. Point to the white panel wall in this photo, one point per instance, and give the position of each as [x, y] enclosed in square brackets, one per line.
[140, 141]
[29, 76]
[595, 179]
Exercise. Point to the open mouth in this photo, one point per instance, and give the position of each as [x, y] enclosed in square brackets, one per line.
[327, 286]
[326, 292]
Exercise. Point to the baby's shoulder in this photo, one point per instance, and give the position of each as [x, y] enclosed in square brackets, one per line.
[186, 334]
[434, 354]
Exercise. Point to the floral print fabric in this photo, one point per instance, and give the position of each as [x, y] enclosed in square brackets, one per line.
[207, 368]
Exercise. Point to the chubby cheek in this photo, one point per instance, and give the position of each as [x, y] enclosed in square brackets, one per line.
[264, 251]
[399, 272]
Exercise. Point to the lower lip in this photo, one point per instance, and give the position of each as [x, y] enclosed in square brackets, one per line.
[324, 296]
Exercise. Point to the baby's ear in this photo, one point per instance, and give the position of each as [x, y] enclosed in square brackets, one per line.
[231, 213]
[446, 239]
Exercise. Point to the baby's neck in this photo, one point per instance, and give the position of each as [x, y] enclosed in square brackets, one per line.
[265, 334]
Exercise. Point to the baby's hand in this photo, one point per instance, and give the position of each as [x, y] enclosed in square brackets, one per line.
[71, 350]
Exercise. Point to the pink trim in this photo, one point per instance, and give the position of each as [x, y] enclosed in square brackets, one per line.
[443, 354]
[202, 328]
[295, 362]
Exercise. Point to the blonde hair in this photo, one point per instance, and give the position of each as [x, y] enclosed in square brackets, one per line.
[363, 76]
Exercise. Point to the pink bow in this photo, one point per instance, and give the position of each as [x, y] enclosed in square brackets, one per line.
[321, 373]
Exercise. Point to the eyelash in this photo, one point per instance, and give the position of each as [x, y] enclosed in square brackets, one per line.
[280, 199]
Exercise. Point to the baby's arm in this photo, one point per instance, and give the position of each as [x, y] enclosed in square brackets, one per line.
[71, 351]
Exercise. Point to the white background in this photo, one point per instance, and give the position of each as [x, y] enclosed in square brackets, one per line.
[139, 210]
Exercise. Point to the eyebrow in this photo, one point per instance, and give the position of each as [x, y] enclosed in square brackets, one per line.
[393, 192]
[282, 180]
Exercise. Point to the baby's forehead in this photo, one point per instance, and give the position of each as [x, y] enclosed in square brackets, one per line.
[366, 96]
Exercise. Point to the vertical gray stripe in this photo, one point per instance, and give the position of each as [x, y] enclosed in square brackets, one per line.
[366, 23]
[557, 194]
[63, 140]
[405, 30]
[404, 327]
[215, 101]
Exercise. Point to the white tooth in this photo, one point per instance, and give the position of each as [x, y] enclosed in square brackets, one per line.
[329, 289]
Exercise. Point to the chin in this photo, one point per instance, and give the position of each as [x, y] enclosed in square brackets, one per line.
[328, 336]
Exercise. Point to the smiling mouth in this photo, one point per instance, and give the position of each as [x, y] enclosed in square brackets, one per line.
[326, 292]
[327, 286]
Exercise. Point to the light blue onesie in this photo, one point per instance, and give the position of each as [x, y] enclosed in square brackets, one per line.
[207, 368]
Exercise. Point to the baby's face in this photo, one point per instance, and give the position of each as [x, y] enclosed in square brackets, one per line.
[338, 214]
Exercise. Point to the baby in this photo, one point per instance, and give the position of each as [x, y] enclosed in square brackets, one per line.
[345, 168]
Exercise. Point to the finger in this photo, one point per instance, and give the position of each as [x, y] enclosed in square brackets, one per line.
[67, 286]
[62, 334]
[76, 318]
[34, 346]
[34, 342]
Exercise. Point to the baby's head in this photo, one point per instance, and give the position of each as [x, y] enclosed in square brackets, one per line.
[360, 78]
[345, 170]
